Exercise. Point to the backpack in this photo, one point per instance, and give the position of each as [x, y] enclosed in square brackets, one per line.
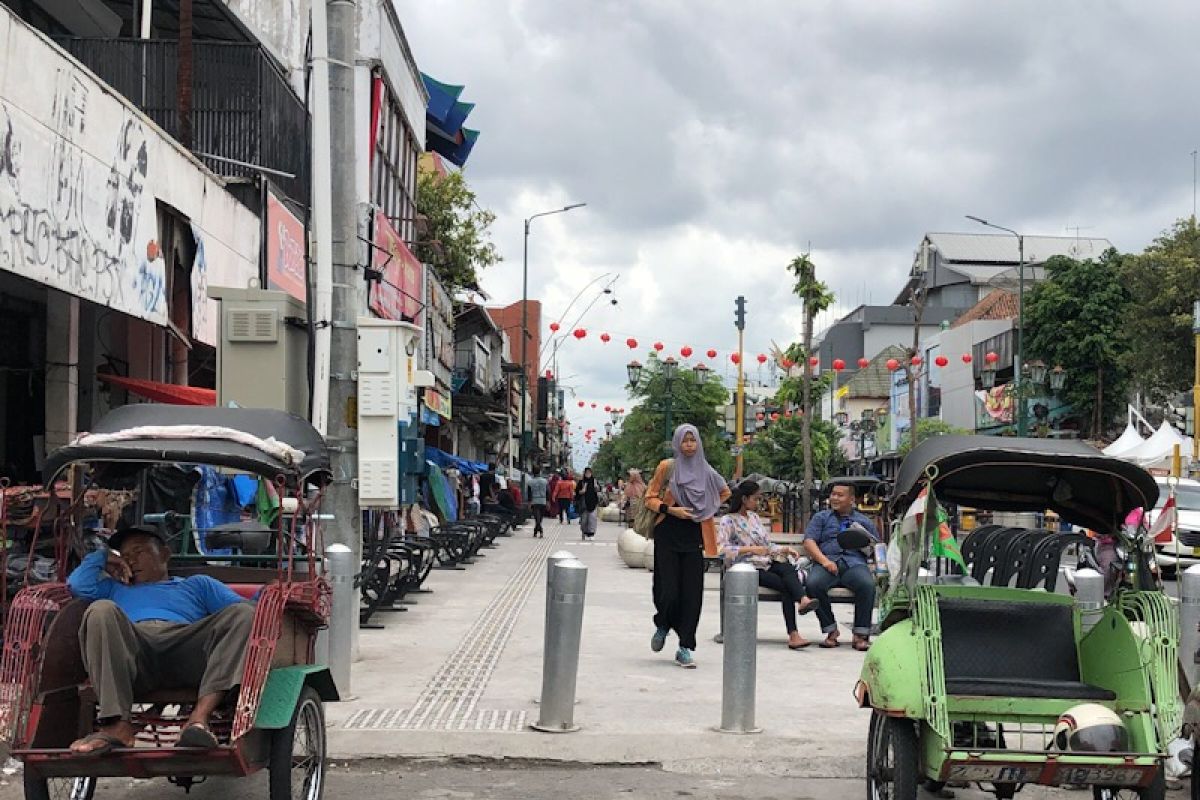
[644, 520]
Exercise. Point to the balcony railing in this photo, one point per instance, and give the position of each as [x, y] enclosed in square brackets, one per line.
[242, 106]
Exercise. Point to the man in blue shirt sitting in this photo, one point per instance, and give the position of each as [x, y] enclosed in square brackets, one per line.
[145, 630]
[833, 566]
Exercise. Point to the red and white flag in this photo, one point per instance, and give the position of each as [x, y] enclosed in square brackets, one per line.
[1163, 531]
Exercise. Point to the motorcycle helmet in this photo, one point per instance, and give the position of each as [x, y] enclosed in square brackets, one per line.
[1090, 728]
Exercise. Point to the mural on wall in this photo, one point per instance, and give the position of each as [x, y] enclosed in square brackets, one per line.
[74, 210]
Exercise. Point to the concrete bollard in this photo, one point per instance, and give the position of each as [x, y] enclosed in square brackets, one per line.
[344, 618]
[740, 668]
[560, 656]
[1189, 621]
[1089, 596]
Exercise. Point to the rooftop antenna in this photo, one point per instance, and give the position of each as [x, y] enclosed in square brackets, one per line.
[1193, 185]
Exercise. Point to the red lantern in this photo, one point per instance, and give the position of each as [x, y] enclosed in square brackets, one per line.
[631, 343]
[813, 361]
[760, 416]
[712, 353]
[549, 375]
[554, 326]
[893, 365]
[941, 361]
[658, 346]
[581, 404]
[685, 351]
[838, 365]
[787, 363]
[580, 333]
[991, 358]
[608, 409]
[863, 363]
[788, 413]
[775, 416]
[966, 358]
[735, 358]
[593, 405]
[621, 410]
[916, 361]
[604, 337]
[762, 359]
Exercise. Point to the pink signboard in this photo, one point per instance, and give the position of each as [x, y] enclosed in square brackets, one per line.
[398, 295]
[285, 250]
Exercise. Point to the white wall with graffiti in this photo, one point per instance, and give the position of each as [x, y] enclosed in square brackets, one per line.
[80, 173]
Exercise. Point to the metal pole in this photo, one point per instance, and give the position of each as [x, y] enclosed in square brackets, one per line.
[560, 659]
[1189, 622]
[1089, 597]
[342, 621]
[551, 560]
[1195, 389]
[741, 407]
[740, 668]
[670, 400]
[524, 344]
[322, 219]
[1022, 427]
[347, 282]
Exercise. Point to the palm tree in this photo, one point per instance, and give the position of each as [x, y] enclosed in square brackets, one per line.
[816, 298]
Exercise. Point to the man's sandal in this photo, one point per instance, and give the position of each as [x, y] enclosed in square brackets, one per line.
[197, 734]
[108, 743]
[830, 642]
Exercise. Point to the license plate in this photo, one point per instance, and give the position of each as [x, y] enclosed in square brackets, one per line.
[1105, 776]
[993, 773]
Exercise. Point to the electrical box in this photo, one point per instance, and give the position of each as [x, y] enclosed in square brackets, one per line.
[262, 352]
[386, 405]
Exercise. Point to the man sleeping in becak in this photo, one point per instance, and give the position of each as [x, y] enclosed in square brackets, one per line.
[145, 630]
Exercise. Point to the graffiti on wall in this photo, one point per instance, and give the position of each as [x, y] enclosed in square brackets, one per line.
[74, 210]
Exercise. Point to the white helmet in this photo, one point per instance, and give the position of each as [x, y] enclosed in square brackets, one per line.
[1090, 728]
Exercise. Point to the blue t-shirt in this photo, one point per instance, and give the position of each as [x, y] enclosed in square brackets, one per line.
[185, 600]
[824, 528]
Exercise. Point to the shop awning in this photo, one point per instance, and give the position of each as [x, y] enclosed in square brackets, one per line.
[162, 392]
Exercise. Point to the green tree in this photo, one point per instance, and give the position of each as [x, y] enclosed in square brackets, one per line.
[1163, 282]
[458, 242]
[927, 427]
[779, 451]
[1075, 318]
[644, 437]
[816, 297]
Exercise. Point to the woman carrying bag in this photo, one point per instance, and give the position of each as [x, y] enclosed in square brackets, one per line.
[686, 494]
[587, 501]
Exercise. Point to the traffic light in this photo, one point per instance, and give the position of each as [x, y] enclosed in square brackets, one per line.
[1181, 414]
[739, 316]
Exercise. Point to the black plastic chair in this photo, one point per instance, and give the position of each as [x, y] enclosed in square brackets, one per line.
[1011, 563]
[1042, 567]
[974, 541]
[989, 550]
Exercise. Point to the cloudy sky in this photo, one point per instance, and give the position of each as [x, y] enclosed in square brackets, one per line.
[714, 141]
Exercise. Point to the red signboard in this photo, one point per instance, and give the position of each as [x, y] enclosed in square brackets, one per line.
[285, 250]
[398, 295]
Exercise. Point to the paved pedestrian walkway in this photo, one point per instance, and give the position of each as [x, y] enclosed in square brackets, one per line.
[459, 674]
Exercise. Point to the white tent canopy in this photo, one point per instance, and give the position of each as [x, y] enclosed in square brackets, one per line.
[1159, 448]
[1128, 440]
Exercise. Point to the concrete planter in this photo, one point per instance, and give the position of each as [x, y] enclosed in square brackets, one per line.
[610, 513]
[630, 547]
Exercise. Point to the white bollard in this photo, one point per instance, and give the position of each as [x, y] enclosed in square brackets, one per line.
[1189, 621]
[740, 665]
[560, 657]
[344, 618]
[1089, 597]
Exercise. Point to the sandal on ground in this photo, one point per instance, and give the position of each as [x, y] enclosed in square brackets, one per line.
[830, 642]
[861, 643]
[108, 743]
[803, 644]
[197, 734]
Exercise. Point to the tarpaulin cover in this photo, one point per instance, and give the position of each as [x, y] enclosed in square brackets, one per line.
[442, 97]
[163, 392]
[441, 458]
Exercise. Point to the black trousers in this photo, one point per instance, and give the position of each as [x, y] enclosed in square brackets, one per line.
[783, 578]
[678, 578]
[539, 512]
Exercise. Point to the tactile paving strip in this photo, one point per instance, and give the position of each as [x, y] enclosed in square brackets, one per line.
[450, 699]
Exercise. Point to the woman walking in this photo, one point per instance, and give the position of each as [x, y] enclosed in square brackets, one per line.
[686, 493]
[587, 501]
[635, 489]
[744, 540]
[564, 493]
[551, 496]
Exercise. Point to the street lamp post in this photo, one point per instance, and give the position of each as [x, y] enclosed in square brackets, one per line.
[525, 322]
[670, 368]
[1019, 358]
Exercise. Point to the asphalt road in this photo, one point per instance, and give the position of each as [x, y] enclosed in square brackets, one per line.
[430, 781]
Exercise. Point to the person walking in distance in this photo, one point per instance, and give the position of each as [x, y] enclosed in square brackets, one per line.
[587, 501]
[552, 495]
[535, 491]
[565, 495]
[635, 489]
[686, 494]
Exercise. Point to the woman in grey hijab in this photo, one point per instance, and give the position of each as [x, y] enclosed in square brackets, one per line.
[686, 493]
